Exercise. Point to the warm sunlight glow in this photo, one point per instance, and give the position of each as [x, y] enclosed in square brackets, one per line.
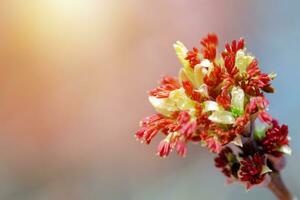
[59, 31]
[72, 8]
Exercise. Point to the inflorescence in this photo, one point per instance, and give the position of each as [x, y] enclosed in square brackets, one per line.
[218, 101]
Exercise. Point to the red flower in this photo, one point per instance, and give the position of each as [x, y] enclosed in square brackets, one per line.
[164, 148]
[226, 135]
[276, 137]
[213, 80]
[223, 162]
[224, 100]
[265, 117]
[177, 129]
[193, 57]
[209, 44]
[183, 117]
[223, 136]
[257, 104]
[240, 123]
[181, 148]
[187, 127]
[167, 84]
[251, 169]
[152, 125]
[233, 48]
[211, 142]
[229, 63]
[189, 90]
[253, 69]
[216, 105]
[256, 80]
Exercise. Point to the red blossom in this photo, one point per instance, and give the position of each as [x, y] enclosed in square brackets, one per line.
[251, 169]
[200, 133]
[264, 80]
[181, 124]
[257, 104]
[276, 137]
[229, 63]
[206, 113]
[188, 87]
[164, 148]
[241, 122]
[189, 90]
[227, 135]
[213, 80]
[181, 148]
[222, 161]
[256, 81]
[183, 117]
[253, 69]
[211, 142]
[187, 127]
[233, 48]
[224, 136]
[209, 44]
[224, 100]
[167, 84]
[193, 57]
[265, 117]
[152, 125]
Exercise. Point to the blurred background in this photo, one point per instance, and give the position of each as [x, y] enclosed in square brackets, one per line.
[73, 82]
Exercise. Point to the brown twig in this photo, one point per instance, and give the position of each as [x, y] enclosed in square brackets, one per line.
[278, 188]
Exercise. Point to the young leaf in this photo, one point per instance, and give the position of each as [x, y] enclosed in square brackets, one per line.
[211, 106]
[242, 60]
[237, 101]
[222, 117]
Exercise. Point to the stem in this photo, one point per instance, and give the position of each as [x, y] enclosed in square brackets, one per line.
[278, 188]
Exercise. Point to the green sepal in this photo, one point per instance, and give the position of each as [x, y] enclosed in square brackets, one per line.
[236, 112]
[260, 130]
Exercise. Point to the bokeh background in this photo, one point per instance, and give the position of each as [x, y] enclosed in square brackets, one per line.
[73, 82]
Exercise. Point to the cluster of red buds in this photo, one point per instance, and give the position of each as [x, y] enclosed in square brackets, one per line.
[218, 101]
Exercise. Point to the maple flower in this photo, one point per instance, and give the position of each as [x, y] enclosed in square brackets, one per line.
[181, 148]
[167, 85]
[253, 170]
[150, 126]
[193, 57]
[209, 44]
[218, 101]
[234, 47]
[227, 162]
[257, 104]
[276, 140]
[164, 148]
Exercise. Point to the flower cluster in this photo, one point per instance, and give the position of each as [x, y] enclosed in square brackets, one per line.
[218, 101]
